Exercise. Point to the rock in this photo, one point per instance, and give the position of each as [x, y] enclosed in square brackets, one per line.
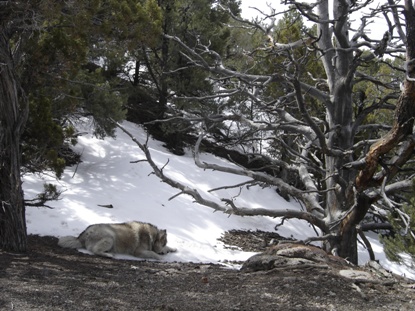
[290, 255]
[356, 275]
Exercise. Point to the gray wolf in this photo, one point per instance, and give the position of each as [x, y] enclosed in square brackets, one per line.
[132, 238]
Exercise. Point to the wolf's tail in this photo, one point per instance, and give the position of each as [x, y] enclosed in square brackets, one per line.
[69, 242]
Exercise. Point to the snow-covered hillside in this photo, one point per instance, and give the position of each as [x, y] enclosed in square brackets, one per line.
[107, 175]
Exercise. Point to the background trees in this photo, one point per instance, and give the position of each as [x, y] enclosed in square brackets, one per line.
[156, 78]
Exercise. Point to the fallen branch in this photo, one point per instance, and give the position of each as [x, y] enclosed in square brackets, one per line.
[241, 211]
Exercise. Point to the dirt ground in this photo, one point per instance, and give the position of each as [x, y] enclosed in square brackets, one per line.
[51, 278]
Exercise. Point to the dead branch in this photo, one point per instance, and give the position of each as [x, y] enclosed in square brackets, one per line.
[242, 211]
[308, 199]
[366, 242]
[249, 182]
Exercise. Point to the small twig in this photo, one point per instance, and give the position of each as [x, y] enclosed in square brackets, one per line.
[138, 161]
[106, 205]
[239, 193]
[176, 195]
[319, 238]
[280, 224]
[230, 203]
[77, 164]
[162, 168]
[234, 186]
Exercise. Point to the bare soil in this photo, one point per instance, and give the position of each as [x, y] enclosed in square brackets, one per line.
[51, 278]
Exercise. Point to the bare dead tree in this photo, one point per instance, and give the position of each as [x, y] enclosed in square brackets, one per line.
[340, 176]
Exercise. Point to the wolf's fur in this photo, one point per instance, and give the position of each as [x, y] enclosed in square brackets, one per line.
[133, 238]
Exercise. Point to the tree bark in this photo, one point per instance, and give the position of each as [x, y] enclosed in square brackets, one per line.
[14, 110]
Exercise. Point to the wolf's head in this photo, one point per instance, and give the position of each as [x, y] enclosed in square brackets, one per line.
[161, 241]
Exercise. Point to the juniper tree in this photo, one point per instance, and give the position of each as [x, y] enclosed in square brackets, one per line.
[45, 80]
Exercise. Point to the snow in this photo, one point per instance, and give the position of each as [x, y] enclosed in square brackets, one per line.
[110, 174]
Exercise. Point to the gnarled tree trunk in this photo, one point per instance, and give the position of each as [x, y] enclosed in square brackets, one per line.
[14, 110]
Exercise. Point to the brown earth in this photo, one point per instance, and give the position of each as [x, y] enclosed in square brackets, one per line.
[51, 278]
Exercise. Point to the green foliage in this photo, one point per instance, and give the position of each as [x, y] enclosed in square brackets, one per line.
[131, 21]
[43, 138]
[195, 22]
[101, 100]
[378, 98]
[52, 73]
[71, 35]
[373, 93]
[50, 193]
[401, 241]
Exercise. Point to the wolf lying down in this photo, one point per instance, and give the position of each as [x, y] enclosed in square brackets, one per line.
[132, 238]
